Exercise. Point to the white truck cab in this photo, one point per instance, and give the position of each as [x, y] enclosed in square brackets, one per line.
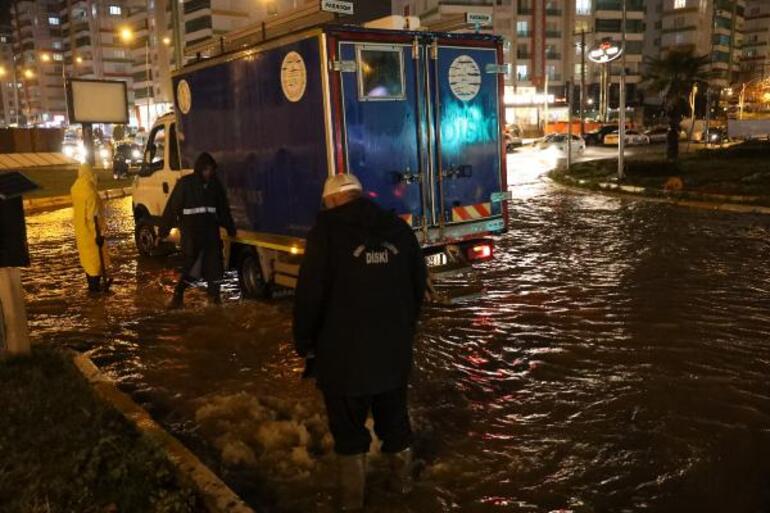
[161, 168]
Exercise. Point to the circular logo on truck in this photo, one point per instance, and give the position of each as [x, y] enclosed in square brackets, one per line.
[183, 96]
[293, 77]
[464, 78]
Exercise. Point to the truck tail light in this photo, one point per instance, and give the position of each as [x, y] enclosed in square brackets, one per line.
[479, 252]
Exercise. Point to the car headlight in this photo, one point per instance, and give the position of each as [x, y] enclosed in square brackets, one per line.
[68, 151]
[136, 154]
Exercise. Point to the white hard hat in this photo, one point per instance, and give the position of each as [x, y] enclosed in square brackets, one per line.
[341, 183]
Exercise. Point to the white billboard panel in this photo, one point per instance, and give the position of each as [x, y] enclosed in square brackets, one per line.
[97, 101]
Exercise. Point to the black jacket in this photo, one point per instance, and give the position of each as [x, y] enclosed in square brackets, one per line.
[199, 209]
[359, 293]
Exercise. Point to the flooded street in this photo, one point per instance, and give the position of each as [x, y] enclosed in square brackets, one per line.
[617, 361]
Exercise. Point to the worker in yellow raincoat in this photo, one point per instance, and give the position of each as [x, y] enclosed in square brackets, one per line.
[87, 211]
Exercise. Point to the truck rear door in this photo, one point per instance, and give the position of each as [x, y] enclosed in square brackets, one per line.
[464, 96]
[383, 119]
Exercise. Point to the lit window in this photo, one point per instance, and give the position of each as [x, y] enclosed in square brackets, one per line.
[53, 20]
[58, 57]
[522, 72]
[522, 28]
[115, 10]
[57, 45]
[583, 7]
[680, 4]
[380, 75]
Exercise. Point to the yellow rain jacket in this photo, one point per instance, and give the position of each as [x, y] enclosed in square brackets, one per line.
[86, 204]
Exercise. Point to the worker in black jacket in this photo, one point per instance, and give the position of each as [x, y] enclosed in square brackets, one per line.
[199, 207]
[360, 288]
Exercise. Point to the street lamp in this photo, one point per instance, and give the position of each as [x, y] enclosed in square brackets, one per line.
[29, 74]
[45, 57]
[127, 36]
[166, 41]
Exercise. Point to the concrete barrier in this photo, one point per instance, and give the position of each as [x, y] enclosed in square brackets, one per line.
[216, 495]
[55, 202]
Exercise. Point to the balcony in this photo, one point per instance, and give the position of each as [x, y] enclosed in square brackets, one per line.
[552, 56]
[553, 33]
[553, 12]
[524, 10]
[617, 5]
[523, 33]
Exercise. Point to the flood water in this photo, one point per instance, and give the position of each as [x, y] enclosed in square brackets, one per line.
[617, 361]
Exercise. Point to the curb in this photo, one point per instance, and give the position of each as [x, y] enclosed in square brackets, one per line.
[56, 202]
[719, 202]
[216, 495]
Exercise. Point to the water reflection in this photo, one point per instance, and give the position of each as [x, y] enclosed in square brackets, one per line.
[617, 361]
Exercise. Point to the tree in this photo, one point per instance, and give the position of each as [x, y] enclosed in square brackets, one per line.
[673, 76]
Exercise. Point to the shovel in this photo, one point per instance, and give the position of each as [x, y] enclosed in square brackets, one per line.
[106, 281]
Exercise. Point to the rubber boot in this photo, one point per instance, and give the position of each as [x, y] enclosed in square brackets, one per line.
[177, 300]
[401, 468]
[352, 479]
[94, 284]
[213, 294]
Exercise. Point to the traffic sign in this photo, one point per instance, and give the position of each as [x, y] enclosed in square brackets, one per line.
[337, 6]
[477, 18]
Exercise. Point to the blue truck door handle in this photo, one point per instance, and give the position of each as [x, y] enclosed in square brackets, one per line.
[462, 171]
[406, 177]
[165, 187]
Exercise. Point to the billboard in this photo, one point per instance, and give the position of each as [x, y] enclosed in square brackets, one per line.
[97, 101]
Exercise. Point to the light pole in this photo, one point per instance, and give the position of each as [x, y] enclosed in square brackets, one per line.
[127, 36]
[583, 50]
[622, 102]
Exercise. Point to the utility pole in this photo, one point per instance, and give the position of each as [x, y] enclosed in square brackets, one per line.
[175, 21]
[569, 125]
[582, 35]
[622, 105]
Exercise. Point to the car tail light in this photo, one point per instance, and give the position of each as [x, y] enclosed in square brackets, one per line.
[479, 252]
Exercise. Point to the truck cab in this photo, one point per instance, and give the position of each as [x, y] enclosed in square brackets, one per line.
[160, 170]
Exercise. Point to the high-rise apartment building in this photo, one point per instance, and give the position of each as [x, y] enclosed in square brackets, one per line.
[37, 52]
[543, 48]
[710, 27]
[755, 56]
[9, 88]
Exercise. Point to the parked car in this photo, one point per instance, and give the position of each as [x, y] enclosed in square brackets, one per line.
[596, 137]
[633, 137]
[512, 138]
[657, 135]
[715, 135]
[125, 156]
[558, 142]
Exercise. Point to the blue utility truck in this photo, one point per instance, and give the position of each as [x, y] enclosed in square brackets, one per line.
[417, 116]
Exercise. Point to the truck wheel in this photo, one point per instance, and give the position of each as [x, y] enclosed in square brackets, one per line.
[250, 279]
[145, 238]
